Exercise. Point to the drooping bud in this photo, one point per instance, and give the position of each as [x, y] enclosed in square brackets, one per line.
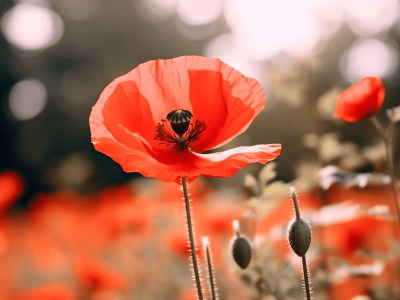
[241, 248]
[179, 120]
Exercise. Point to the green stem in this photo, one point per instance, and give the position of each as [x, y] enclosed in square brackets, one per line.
[191, 239]
[306, 281]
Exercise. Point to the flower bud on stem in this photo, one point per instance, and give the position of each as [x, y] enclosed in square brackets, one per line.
[241, 248]
[299, 237]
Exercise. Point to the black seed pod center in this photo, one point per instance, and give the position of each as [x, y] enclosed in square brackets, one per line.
[177, 128]
[179, 120]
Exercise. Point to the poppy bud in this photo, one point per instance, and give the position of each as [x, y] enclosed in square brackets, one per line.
[241, 249]
[241, 252]
[299, 236]
[179, 120]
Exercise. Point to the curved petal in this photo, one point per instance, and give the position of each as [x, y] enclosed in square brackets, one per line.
[186, 163]
[123, 111]
[126, 110]
[226, 101]
[226, 163]
[165, 82]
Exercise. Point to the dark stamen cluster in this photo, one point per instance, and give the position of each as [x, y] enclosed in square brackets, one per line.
[164, 134]
[178, 130]
[195, 131]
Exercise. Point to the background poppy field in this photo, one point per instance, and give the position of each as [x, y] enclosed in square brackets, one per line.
[73, 225]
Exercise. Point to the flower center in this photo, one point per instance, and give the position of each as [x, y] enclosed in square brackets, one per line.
[183, 131]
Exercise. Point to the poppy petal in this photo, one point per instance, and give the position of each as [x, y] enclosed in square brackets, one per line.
[226, 101]
[123, 111]
[226, 163]
[186, 163]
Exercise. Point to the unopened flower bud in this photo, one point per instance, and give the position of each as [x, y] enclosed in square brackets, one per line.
[299, 236]
[241, 248]
[241, 252]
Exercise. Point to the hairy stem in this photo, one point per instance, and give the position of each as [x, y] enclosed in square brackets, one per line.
[306, 280]
[191, 239]
[295, 202]
[211, 279]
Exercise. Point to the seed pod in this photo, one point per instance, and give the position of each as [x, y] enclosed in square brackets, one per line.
[179, 120]
[299, 236]
[241, 252]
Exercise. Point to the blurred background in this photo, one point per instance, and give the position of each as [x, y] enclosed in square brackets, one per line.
[81, 228]
[57, 56]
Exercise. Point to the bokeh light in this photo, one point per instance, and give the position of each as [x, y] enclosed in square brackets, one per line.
[265, 28]
[32, 27]
[197, 12]
[195, 32]
[27, 99]
[155, 10]
[224, 47]
[369, 17]
[329, 14]
[368, 57]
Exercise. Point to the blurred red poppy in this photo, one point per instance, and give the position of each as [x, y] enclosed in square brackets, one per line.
[52, 291]
[159, 118]
[361, 100]
[95, 275]
[12, 188]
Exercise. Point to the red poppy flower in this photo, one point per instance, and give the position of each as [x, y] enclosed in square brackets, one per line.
[159, 118]
[361, 100]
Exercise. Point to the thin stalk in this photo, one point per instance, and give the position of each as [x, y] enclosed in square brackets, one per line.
[389, 158]
[211, 279]
[379, 128]
[295, 202]
[191, 240]
[306, 280]
[387, 141]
